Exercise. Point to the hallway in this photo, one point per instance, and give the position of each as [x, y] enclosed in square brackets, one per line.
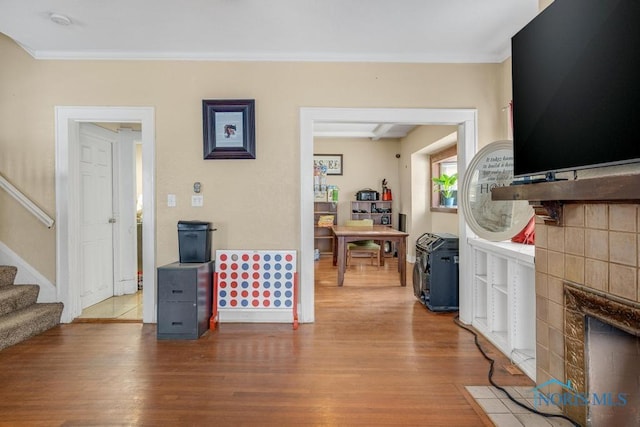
[124, 308]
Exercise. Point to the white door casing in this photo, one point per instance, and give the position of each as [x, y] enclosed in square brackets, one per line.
[467, 122]
[68, 278]
[96, 212]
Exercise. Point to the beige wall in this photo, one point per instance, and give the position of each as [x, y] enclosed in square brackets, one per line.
[542, 4]
[366, 163]
[253, 203]
[506, 96]
[415, 170]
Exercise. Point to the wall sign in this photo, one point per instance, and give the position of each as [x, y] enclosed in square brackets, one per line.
[494, 220]
[332, 162]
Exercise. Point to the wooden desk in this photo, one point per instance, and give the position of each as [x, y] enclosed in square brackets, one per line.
[379, 233]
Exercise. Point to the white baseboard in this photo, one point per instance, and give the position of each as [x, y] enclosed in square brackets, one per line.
[255, 316]
[27, 275]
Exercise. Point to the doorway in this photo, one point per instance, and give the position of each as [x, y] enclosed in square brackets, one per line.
[68, 277]
[110, 213]
[465, 119]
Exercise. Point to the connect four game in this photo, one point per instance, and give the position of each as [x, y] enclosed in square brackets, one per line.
[253, 281]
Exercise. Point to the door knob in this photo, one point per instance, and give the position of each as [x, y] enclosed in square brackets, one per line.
[112, 220]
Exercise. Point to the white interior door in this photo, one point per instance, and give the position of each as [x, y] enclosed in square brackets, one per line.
[125, 262]
[96, 213]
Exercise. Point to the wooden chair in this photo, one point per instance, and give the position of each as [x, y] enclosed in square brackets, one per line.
[368, 247]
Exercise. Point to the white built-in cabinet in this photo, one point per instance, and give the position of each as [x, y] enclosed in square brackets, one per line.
[504, 299]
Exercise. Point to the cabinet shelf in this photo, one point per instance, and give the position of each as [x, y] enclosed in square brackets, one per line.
[504, 299]
[501, 288]
[480, 323]
[525, 359]
[525, 352]
[323, 237]
[500, 336]
[379, 211]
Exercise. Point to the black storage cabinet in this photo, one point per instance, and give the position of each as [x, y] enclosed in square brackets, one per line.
[184, 299]
[194, 241]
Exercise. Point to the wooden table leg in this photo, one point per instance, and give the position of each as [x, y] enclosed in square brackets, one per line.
[334, 243]
[402, 261]
[341, 260]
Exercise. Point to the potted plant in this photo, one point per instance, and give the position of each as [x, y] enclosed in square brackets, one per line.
[445, 183]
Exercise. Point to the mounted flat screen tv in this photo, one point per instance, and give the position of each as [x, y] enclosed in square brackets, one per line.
[576, 87]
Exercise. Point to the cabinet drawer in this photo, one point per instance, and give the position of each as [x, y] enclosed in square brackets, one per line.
[177, 317]
[177, 285]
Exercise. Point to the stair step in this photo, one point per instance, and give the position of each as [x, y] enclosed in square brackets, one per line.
[28, 322]
[7, 274]
[17, 297]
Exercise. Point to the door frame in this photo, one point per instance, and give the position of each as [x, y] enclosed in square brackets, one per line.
[67, 203]
[467, 122]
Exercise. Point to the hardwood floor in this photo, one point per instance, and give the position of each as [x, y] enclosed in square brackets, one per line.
[374, 357]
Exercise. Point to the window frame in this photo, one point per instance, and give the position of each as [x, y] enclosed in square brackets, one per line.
[445, 155]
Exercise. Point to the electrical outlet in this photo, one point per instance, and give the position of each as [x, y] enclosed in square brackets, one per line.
[171, 200]
[197, 201]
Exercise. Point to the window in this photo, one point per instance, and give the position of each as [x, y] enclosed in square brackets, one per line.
[444, 162]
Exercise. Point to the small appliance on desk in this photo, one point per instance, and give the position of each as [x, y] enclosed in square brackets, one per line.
[367, 195]
[386, 191]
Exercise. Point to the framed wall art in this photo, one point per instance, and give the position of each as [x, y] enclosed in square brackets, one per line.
[229, 128]
[333, 162]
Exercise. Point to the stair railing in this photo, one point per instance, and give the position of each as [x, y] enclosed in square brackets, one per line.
[26, 202]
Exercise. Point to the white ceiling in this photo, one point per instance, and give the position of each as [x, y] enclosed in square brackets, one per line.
[416, 31]
[298, 30]
[374, 131]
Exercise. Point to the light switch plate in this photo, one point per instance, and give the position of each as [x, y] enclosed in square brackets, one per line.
[171, 200]
[197, 201]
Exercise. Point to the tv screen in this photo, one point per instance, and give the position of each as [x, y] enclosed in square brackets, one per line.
[576, 87]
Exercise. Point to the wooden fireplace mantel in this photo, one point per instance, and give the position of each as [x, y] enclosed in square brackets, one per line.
[547, 198]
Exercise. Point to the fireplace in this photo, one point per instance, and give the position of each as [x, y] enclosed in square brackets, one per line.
[602, 348]
[586, 267]
[587, 263]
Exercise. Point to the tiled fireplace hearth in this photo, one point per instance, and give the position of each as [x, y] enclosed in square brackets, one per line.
[587, 263]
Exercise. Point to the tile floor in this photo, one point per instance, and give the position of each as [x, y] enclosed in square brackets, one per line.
[504, 413]
[125, 307]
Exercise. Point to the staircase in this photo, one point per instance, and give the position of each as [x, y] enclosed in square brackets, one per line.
[20, 316]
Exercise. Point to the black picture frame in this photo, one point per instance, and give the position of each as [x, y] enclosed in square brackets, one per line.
[229, 128]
